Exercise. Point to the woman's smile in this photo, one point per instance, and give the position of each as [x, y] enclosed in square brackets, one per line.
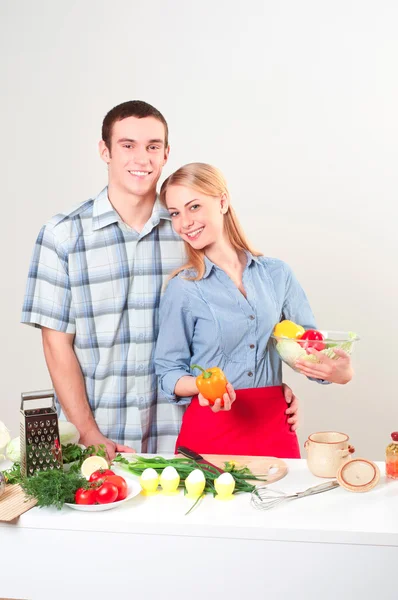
[193, 235]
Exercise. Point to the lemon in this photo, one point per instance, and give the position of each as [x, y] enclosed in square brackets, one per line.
[288, 329]
[93, 463]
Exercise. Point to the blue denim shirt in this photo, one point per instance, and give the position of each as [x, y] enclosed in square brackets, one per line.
[209, 322]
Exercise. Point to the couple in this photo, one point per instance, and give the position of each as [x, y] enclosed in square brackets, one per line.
[94, 289]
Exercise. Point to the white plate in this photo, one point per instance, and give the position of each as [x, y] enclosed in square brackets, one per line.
[134, 489]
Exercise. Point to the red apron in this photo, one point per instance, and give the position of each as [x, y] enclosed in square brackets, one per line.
[256, 425]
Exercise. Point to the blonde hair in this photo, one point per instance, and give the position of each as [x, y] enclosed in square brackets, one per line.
[209, 181]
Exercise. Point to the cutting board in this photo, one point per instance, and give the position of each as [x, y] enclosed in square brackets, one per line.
[13, 503]
[258, 465]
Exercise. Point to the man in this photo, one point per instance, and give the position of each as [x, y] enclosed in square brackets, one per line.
[94, 288]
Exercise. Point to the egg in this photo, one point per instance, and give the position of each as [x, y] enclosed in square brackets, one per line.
[195, 483]
[149, 482]
[169, 480]
[225, 485]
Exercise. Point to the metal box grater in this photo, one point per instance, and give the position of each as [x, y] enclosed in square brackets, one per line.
[39, 434]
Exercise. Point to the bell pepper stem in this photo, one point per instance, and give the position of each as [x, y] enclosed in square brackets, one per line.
[206, 374]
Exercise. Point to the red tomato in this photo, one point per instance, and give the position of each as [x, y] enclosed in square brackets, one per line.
[121, 485]
[312, 339]
[100, 474]
[83, 496]
[106, 493]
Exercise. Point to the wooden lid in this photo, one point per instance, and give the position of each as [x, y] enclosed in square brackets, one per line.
[358, 475]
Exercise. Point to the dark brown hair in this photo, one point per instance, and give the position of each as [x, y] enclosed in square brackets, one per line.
[132, 108]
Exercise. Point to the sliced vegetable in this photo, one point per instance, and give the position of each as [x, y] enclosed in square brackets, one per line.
[93, 463]
[74, 455]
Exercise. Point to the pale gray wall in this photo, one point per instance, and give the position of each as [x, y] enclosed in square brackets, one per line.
[295, 101]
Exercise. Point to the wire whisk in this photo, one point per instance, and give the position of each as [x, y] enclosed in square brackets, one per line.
[264, 498]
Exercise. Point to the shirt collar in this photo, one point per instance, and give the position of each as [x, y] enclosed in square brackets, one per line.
[104, 214]
[209, 265]
[159, 212]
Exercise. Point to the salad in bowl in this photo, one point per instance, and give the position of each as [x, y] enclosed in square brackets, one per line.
[292, 342]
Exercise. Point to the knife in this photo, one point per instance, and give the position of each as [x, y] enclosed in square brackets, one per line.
[197, 458]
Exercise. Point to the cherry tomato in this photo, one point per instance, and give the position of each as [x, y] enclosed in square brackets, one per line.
[83, 496]
[100, 474]
[106, 493]
[312, 339]
[121, 485]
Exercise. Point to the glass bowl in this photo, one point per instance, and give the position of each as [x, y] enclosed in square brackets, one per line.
[290, 349]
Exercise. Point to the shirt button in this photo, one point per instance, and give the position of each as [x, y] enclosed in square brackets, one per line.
[252, 317]
[252, 346]
[250, 374]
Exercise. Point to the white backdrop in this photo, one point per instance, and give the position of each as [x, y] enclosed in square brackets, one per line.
[295, 101]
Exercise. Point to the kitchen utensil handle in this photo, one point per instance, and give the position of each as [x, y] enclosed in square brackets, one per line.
[189, 453]
[347, 451]
[39, 395]
[318, 489]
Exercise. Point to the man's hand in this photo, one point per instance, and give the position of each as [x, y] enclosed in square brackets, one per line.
[95, 438]
[229, 398]
[293, 408]
[328, 369]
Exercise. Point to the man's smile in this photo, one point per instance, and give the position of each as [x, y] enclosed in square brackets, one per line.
[140, 173]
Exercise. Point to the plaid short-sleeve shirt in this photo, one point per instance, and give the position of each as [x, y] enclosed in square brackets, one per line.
[94, 276]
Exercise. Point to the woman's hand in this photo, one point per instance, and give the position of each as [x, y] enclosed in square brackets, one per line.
[293, 410]
[229, 398]
[329, 369]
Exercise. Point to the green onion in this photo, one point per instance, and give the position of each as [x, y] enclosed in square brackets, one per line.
[184, 466]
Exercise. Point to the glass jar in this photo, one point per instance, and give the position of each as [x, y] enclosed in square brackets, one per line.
[392, 457]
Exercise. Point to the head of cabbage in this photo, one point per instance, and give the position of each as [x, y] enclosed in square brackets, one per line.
[4, 438]
[67, 432]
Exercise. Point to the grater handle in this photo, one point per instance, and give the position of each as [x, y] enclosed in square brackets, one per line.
[41, 394]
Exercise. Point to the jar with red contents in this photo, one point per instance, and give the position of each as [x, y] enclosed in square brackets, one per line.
[392, 457]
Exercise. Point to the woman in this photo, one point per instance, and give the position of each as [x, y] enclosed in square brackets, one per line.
[220, 310]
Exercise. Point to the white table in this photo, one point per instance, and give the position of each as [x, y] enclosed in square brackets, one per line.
[332, 545]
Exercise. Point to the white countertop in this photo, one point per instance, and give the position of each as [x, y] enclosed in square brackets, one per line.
[336, 516]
